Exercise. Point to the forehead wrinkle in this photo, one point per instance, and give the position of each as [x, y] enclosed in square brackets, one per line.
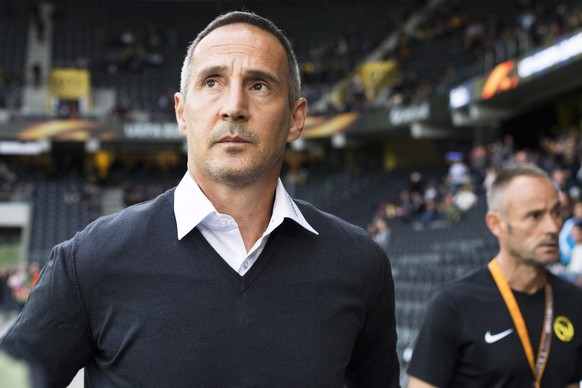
[254, 72]
[248, 52]
[244, 44]
[222, 40]
[247, 74]
[209, 70]
[245, 53]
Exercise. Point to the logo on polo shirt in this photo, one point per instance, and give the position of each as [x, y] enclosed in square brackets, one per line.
[491, 338]
[563, 328]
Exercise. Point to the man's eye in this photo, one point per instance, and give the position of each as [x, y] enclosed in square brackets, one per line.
[210, 83]
[259, 86]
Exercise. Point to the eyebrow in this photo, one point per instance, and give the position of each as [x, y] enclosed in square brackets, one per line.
[259, 74]
[252, 73]
[207, 71]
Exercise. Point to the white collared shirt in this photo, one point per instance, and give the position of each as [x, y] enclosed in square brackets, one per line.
[193, 209]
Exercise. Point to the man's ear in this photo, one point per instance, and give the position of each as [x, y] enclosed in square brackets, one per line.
[494, 222]
[297, 122]
[179, 108]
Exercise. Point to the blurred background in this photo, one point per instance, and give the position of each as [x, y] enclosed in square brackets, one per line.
[413, 105]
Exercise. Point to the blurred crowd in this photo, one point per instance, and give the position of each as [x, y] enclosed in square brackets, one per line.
[15, 286]
[478, 45]
[13, 188]
[433, 202]
[441, 201]
[483, 44]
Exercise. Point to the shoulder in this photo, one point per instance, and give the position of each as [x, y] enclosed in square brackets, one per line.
[344, 238]
[139, 223]
[567, 311]
[466, 289]
[564, 287]
[132, 219]
[477, 278]
[346, 245]
[329, 224]
[459, 303]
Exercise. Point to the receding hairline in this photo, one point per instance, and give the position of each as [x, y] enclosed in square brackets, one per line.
[238, 26]
[293, 75]
[259, 72]
[505, 177]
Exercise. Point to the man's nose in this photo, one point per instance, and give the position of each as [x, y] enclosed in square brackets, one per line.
[553, 224]
[235, 104]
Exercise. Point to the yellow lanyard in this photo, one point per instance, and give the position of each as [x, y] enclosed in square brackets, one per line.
[546, 338]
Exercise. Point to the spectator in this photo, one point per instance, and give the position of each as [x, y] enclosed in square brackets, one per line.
[502, 151]
[560, 178]
[566, 240]
[431, 214]
[574, 267]
[458, 174]
[404, 209]
[381, 232]
[478, 164]
[19, 285]
[465, 198]
[416, 183]
[417, 204]
[451, 213]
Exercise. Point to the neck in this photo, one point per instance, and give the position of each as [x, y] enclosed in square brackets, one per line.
[522, 277]
[251, 206]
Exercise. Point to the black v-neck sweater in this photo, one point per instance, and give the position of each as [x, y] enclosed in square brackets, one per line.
[136, 307]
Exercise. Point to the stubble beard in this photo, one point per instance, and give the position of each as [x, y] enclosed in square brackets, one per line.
[237, 171]
[530, 259]
[236, 178]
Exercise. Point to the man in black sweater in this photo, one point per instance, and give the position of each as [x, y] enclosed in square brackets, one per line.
[224, 281]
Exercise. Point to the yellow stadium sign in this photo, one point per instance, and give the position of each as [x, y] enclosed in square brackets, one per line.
[377, 75]
[70, 84]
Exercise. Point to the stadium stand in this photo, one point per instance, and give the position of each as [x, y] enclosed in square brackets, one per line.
[137, 48]
[460, 39]
[13, 32]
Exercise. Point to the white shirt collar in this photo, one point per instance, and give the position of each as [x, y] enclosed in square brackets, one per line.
[191, 206]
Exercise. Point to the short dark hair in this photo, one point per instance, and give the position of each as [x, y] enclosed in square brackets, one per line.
[294, 77]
